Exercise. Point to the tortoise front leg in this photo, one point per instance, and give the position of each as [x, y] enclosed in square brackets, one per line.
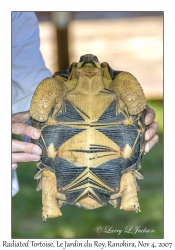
[48, 93]
[49, 195]
[128, 191]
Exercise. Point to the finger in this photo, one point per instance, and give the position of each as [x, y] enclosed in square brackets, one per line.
[22, 117]
[19, 146]
[24, 157]
[14, 166]
[151, 143]
[23, 129]
[151, 131]
[150, 115]
[150, 110]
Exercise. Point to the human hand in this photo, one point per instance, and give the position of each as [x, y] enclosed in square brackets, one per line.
[24, 151]
[151, 136]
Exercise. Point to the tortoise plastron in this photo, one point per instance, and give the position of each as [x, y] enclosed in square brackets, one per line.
[91, 121]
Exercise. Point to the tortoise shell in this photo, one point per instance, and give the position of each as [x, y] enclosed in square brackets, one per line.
[91, 121]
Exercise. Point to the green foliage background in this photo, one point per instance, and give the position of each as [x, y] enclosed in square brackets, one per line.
[79, 223]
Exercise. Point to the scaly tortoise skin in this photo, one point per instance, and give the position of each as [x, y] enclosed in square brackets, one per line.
[91, 121]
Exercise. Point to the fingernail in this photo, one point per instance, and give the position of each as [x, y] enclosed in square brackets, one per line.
[14, 166]
[148, 135]
[35, 134]
[35, 157]
[146, 149]
[147, 121]
[37, 150]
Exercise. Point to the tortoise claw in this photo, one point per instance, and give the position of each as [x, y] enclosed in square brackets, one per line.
[44, 218]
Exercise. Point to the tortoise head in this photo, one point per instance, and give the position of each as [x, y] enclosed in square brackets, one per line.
[88, 65]
[88, 58]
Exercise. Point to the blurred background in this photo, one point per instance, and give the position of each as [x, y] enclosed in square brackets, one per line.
[128, 41]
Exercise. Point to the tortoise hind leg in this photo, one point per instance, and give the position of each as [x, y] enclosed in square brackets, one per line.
[49, 195]
[128, 191]
[47, 94]
[129, 93]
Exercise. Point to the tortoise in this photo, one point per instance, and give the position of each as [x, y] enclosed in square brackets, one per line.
[91, 122]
